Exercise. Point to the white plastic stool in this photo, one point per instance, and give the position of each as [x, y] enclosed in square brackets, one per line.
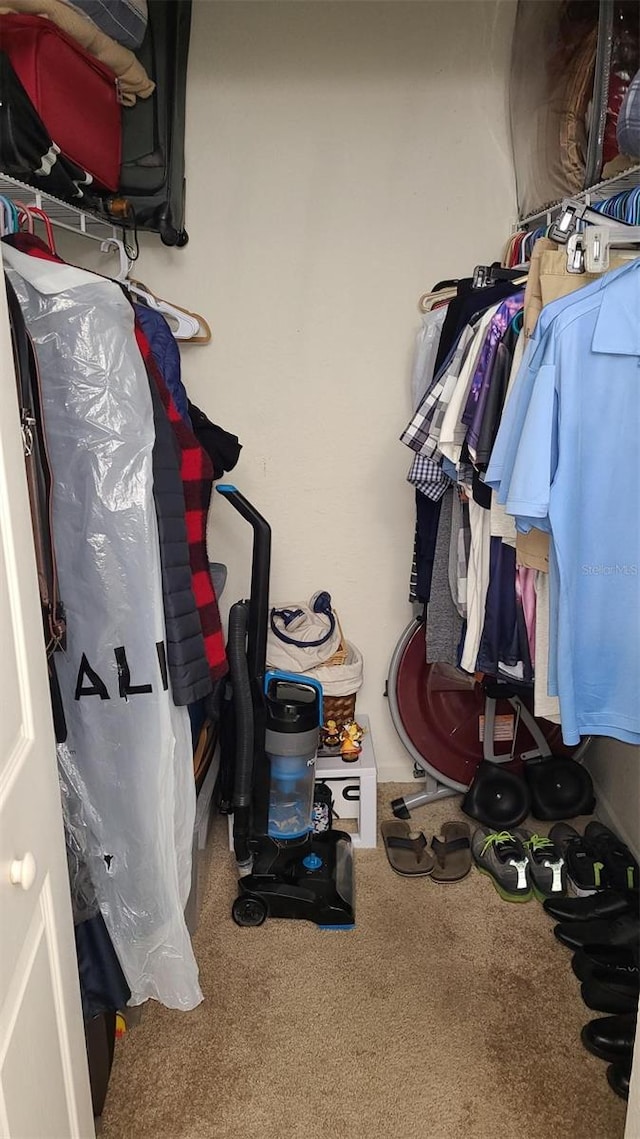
[343, 779]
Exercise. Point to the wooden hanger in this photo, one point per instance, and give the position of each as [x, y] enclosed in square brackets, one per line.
[206, 335]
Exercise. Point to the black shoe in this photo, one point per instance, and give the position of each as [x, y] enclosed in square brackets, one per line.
[620, 867]
[615, 962]
[585, 868]
[605, 904]
[619, 1077]
[622, 933]
[613, 995]
[611, 1037]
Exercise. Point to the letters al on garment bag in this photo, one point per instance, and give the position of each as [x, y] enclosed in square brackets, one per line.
[90, 683]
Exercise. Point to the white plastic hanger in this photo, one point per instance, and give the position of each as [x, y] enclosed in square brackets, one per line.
[184, 325]
[108, 246]
[599, 240]
[575, 253]
[574, 212]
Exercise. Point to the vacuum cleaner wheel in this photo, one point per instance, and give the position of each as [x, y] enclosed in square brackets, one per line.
[248, 911]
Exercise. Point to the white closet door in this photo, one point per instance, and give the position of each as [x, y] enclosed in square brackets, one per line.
[44, 1084]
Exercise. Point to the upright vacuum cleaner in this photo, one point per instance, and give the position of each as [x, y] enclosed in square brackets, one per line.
[285, 869]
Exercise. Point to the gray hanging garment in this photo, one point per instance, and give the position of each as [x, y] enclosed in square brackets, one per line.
[129, 772]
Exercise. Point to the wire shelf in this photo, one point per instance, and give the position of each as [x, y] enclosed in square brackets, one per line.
[629, 180]
[61, 214]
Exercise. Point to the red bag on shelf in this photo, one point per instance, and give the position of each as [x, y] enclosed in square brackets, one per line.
[75, 95]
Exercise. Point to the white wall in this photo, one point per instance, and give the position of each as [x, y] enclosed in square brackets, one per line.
[615, 768]
[341, 157]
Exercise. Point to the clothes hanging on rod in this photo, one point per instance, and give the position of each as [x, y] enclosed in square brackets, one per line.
[579, 383]
[167, 354]
[120, 716]
[197, 477]
[623, 207]
[128, 771]
[181, 580]
[464, 306]
[468, 364]
[186, 656]
[511, 615]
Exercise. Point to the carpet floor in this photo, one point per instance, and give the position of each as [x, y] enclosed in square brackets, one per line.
[446, 1014]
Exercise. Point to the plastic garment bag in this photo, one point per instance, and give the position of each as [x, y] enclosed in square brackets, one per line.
[127, 771]
[426, 350]
[553, 65]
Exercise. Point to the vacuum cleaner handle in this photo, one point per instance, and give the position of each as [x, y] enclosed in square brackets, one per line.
[260, 572]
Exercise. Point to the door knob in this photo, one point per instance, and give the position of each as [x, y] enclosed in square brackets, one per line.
[23, 871]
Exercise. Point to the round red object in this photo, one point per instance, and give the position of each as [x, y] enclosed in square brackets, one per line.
[440, 711]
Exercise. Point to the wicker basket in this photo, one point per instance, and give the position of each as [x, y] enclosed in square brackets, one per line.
[339, 708]
[341, 679]
[340, 655]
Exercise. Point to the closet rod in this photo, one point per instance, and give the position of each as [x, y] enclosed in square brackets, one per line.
[61, 214]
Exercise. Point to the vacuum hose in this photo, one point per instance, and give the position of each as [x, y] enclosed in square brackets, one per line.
[243, 705]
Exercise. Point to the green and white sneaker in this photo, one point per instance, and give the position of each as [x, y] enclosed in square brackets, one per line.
[501, 855]
[547, 872]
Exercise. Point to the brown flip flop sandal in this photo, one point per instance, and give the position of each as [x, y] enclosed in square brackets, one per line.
[407, 855]
[453, 853]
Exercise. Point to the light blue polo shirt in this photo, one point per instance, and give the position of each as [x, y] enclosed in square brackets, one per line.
[506, 443]
[568, 460]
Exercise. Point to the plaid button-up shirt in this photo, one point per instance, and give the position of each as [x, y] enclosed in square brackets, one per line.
[416, 434]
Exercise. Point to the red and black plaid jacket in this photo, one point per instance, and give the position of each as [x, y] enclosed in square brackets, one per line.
[197, 477]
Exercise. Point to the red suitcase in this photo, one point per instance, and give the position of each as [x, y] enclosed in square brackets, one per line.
[75, 95]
